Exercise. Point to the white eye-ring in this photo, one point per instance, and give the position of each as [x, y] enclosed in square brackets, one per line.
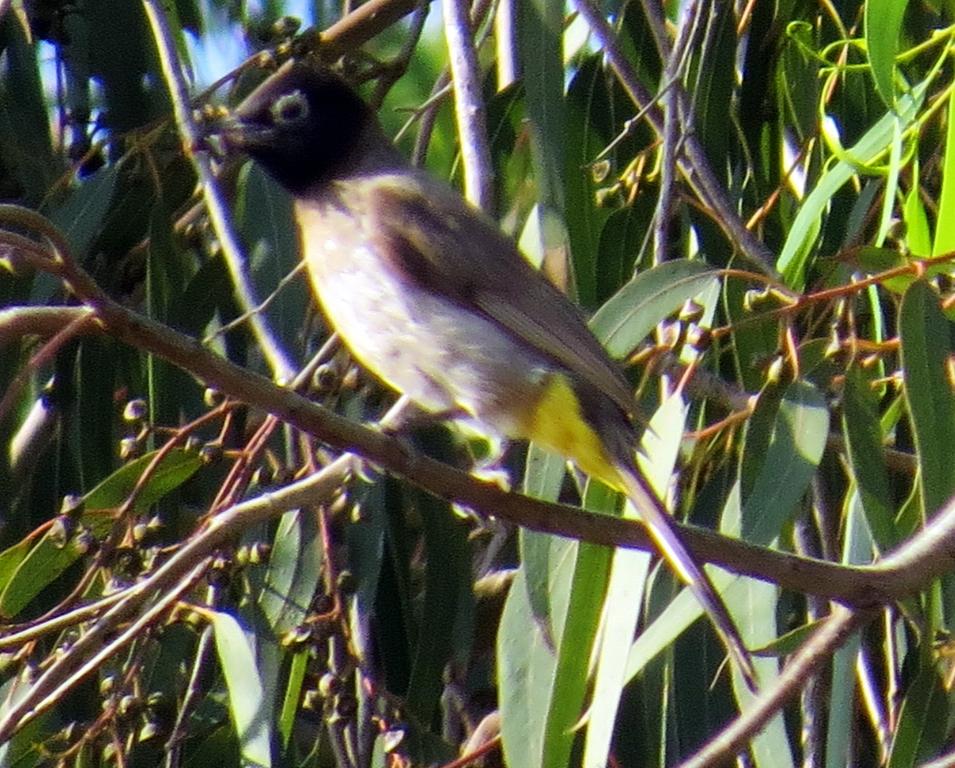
[290, 109]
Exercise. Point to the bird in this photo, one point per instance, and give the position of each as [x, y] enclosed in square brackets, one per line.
[430, 296]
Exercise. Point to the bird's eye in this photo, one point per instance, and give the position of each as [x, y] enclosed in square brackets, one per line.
[290, 109]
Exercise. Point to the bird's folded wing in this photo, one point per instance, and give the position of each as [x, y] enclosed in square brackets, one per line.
[436, 239]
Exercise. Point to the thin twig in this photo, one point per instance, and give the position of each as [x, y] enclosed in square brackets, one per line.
[47, 352]
[469, 105]
[18, 323]
[802, 666]
[64, 674]
[271, 348]
[367, 20]
[696, 168]
[505, 37]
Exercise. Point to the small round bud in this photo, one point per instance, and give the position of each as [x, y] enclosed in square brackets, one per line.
[68, 733]
[346, 705]
[210, 453]
[753, 298]
[833, 348]
[258, 552]
[135, 411]
[193, 619]
[262, 476]
[323, 604]
[212, 397]
[129, 448]
[691, 312]
[107, 685]
[140, 532]
[775, 372]
[286, 26]
[311, 701]
[607, 197]
[599, 171]
[699, 338]
[84, 541]
[346, 582]
[61, 529]
[329, 685]
[392, 739]
[350, 379]
[297, 636]
[129, 706]
[671, 334]
[72, 505]
[150, 730]
[324, 379]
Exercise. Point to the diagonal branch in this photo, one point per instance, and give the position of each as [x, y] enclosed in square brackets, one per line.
[923, 558]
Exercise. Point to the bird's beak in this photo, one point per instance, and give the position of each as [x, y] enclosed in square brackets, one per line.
[226, 132]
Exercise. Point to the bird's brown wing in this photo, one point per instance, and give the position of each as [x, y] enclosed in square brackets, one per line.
[432, 236]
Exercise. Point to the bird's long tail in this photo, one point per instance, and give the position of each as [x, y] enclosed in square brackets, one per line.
[666, 538]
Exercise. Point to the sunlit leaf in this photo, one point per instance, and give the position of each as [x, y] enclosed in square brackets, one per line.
[246, 695]
[883, 20]
[629, 316]
[926, 348]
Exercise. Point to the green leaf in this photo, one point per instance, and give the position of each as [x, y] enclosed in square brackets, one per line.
[50, 557]
[26, 145]
[794, 257]
[715, 78]
[526, 666]
[10, 560]
[794, 451]
[842, 721]
[444, 630]
[293, 697]
[883, 21]
[540, 44]
[789, 642]
[43, 565]
[572, 671]
[926, 346]
[97, 427]
[589, 107]
[177, 466]
[266, 224]
[543, 477]
[621, 247]
[918, 234]
[860, 424]
[626, 319]
[944, 236]
[81, 215]
[540, 48]
[923, 720]
[751, 602]
[840, 739]
[246, 694]
[759, 433]
[293, 573]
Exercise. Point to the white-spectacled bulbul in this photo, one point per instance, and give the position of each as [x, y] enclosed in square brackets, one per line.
[430, 296]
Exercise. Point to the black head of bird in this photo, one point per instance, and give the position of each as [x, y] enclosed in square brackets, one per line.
[303, 125]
